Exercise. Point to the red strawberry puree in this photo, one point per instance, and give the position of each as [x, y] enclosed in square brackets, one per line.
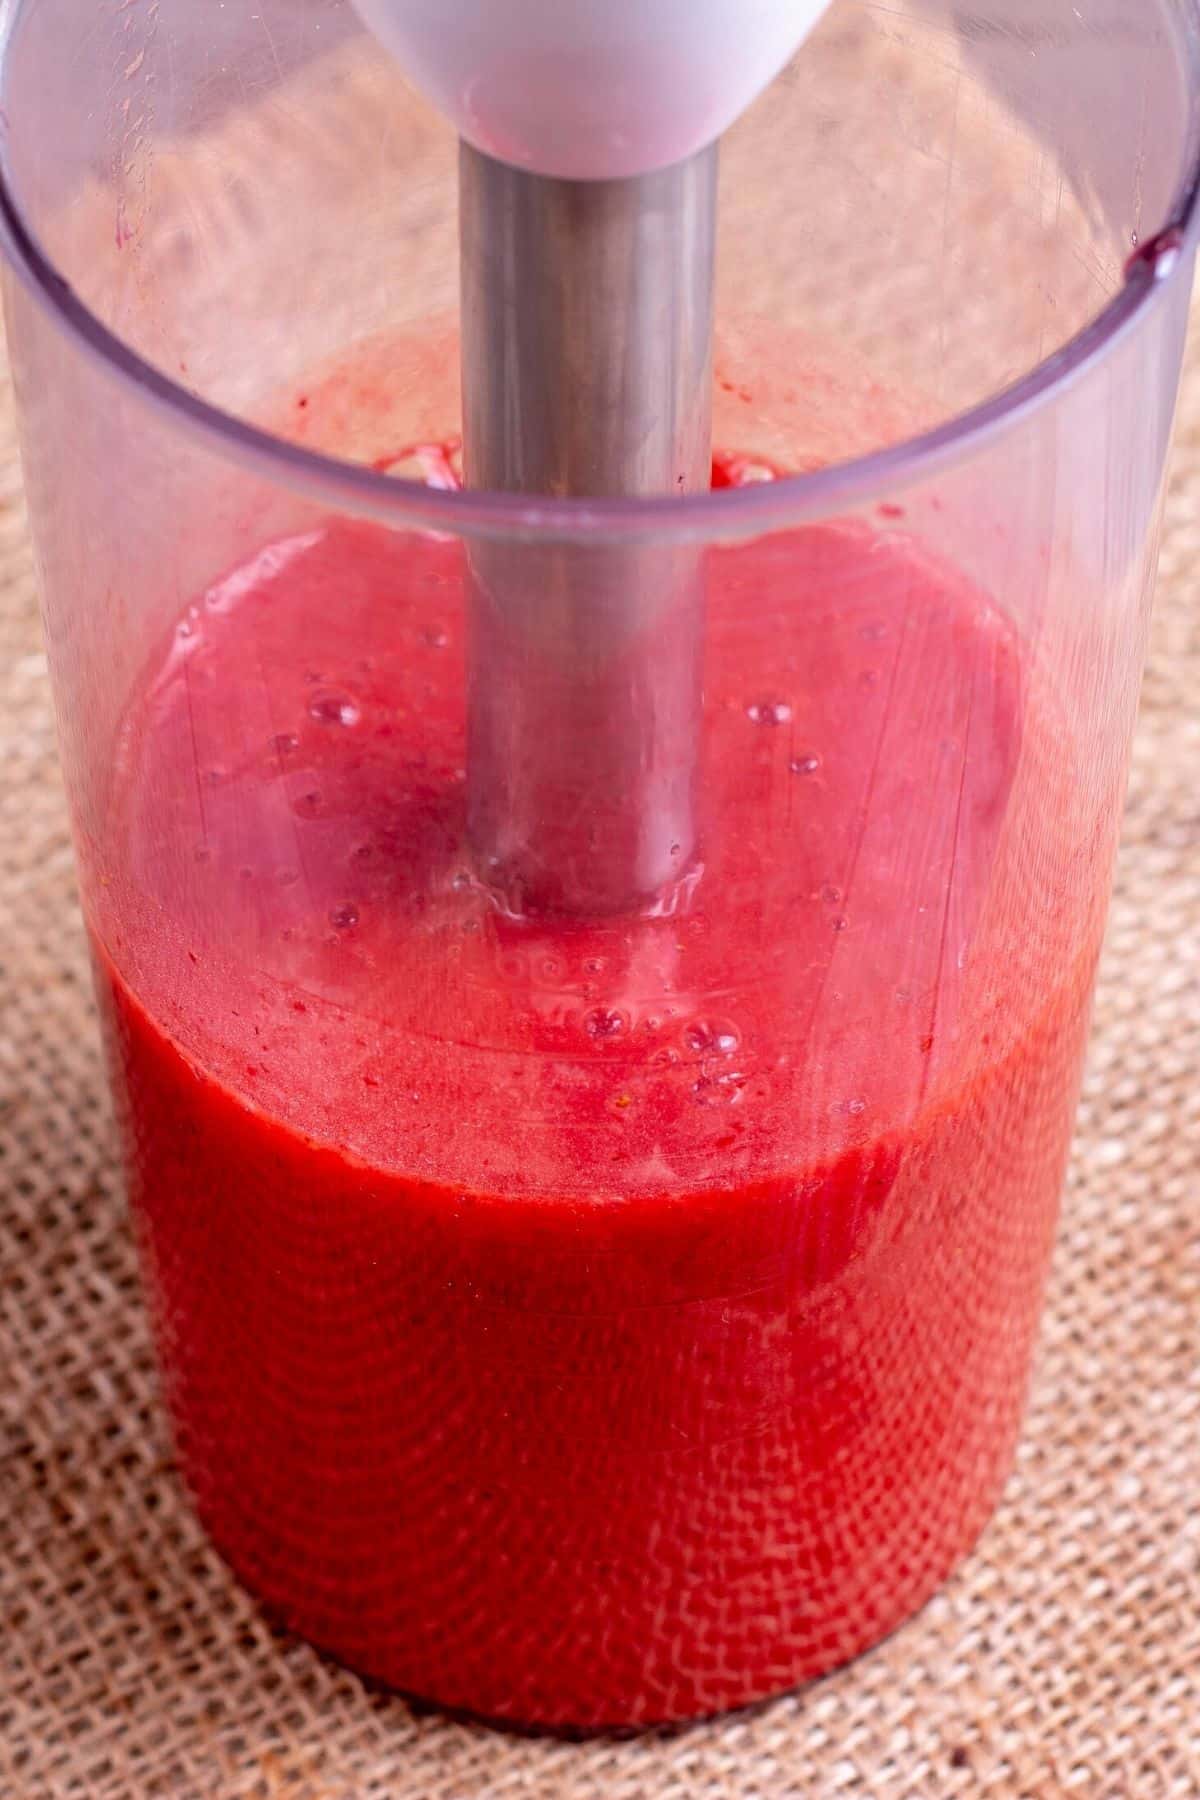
[592, 1324]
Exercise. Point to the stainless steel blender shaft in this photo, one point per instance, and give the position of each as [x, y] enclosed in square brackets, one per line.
[587, 370]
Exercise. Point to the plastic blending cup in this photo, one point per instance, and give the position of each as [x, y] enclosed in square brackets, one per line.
[590, 1318]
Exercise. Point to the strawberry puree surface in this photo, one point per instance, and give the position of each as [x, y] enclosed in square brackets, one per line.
[584, 1323]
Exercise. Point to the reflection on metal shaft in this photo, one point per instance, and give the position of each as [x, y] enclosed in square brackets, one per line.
[587, 370]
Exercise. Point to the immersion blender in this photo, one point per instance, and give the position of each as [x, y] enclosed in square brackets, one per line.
[588, 193]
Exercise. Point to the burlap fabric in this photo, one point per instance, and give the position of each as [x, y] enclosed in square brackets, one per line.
[1063, 1659]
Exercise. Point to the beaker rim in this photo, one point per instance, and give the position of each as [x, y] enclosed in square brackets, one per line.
[725, 516]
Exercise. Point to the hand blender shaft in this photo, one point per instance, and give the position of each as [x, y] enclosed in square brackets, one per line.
[587, 370]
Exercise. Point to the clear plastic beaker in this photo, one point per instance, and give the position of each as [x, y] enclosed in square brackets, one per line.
[591, 1320]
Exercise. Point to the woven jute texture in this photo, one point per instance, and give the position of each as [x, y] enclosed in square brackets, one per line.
[1063, 1659]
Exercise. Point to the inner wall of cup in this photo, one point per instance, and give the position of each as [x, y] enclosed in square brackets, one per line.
[932, 199]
